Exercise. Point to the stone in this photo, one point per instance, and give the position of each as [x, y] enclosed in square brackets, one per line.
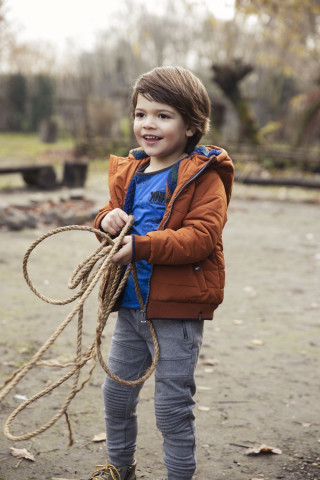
[77, 194]
[16, 220]
[50, 216]
[37, 198]
[31, 220]
[67, 218]
[2, 218]
[81, 217]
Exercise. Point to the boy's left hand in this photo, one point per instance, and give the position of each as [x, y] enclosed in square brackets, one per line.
[124, 255]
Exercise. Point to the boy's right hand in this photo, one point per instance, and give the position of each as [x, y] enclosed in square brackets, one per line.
[114, 221]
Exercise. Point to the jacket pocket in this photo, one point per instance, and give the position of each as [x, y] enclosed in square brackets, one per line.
[198, 271]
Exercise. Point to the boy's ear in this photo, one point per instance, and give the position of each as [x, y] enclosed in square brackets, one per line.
[191, 130]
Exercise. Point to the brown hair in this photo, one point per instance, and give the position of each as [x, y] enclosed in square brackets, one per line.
[180, 89]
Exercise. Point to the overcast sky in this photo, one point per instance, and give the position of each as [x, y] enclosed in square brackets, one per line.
[57, 21]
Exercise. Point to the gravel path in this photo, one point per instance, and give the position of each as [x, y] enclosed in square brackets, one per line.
[258, 375]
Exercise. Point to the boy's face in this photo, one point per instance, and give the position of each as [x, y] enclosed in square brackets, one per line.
[160, 130]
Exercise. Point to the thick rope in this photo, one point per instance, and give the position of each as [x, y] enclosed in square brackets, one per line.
[97, 267]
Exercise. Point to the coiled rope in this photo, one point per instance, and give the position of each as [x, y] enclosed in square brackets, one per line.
[98, 266]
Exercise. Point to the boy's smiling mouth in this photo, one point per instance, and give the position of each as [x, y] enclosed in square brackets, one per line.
[151, 140]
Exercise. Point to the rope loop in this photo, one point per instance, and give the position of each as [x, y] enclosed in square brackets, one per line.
[98, 266]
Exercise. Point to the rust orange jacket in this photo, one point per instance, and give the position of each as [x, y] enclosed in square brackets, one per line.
[186, 252]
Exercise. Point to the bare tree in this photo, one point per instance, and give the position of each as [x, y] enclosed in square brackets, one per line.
[5, 34]
[228, 77]
[289, 32]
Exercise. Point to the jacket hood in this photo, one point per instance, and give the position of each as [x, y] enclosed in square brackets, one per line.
[221, 162]
[212, 155]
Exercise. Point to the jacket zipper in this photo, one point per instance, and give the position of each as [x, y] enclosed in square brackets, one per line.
[184, 186]
[144, 311]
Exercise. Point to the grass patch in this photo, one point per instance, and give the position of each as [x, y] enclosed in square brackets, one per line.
[23, 147]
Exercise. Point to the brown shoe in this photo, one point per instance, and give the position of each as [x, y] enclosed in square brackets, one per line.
[110, 472]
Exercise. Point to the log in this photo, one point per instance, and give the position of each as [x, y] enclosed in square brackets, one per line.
[42, 176]
[281, 182]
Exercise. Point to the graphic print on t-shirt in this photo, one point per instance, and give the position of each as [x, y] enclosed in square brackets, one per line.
[148, 208]
[157, 198]
[149, 201]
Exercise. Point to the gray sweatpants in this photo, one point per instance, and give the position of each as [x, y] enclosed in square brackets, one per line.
[131, 354]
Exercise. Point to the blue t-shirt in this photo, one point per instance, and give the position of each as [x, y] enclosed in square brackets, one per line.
[148, 208]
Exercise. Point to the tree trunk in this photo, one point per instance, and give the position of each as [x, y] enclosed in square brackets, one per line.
[310, 112]
[228, 78]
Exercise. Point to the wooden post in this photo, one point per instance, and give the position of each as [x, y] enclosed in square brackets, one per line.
[75, 174]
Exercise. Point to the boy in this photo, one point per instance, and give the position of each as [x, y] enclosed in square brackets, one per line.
[178, 195]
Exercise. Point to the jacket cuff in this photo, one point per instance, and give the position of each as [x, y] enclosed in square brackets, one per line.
[98, 220]
[97, 225]
[100, 228]
[142, 247]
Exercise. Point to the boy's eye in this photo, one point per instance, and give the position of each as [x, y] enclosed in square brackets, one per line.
[163, 115]
[139, 115]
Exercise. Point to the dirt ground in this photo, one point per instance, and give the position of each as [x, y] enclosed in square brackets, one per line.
[258, 375]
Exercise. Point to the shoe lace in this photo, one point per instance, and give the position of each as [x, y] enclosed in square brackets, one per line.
[106, 469]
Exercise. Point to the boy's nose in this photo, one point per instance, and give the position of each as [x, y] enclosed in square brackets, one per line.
[149, 123]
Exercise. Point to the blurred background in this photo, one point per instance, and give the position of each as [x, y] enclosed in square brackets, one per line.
[66, 71]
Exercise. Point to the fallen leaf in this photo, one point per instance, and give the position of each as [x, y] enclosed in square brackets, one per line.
[22, 453]
[101, 437]
[210, 361]
[237, 322]
[203, 409]
[304, 424]
[263, 449]
[250, 290]
[257, 342]
[21, 397]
